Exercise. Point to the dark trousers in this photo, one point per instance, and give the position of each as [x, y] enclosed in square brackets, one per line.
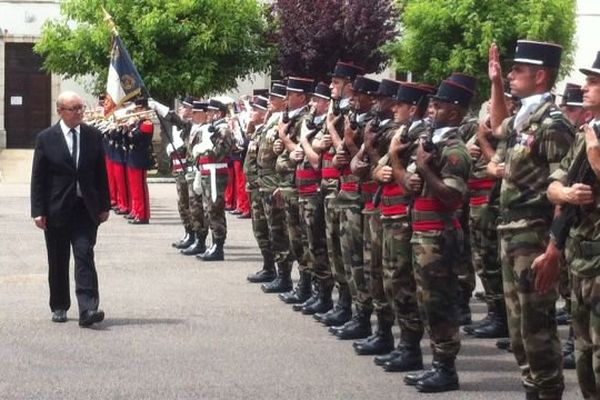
[80, 233]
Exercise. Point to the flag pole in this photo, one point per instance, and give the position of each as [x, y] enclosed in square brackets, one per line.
[109, 19]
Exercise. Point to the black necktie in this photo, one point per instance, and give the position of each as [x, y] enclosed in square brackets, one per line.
[74, 152]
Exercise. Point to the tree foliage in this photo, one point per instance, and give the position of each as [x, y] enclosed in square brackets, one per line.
[312, 35]
[442, 36]
[179, 46]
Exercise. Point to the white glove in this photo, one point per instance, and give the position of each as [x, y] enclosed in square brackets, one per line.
[160, 109]
[170, 149]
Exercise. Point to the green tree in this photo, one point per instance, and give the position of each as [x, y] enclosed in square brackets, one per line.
[198, 47]
[442, 36]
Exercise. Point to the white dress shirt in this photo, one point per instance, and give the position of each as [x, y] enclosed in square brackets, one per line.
[69, 139]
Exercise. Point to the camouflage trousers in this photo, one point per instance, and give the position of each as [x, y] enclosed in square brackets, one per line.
[296, 234]
[260, 226]
[183, 201]
[484, 251]
[372, 255]
[351, 241]
[531, 316]
[334, 249]
[399, 279]
[586, 324]
[465, 268]
[278, 233]
[214, 211]
[196, 212]
[313, 218]
[437, 290]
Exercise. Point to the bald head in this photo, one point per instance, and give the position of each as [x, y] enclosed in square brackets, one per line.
[70, 107]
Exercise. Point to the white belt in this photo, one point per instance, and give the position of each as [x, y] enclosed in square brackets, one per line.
[208, 167]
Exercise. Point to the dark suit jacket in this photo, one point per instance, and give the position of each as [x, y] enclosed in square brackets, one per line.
[54, 176]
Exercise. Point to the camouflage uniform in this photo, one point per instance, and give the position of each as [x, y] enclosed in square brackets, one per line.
[268, 181]
[483, 219]
[313, 215]
[349, 203]
[398, 276]
[437, 244]
[287, 186]
[583, 259]
[214, 210]
[260, 226]
[373, 244]
[532, 154]
[196, 209]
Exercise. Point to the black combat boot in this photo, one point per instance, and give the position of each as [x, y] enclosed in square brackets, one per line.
[185, 241]
[358, 327]
[267, 273]
[443, 379]
[504, 344]
[341, 313]
[414, 378]
[198, 246]
[380, 343]
[314, 296]
[563, 316]
[283, 282]
[498, 326]
[407, 357]
[482, 322]
[568, 351]
[301, 292]
[215, 253]
[323, 303]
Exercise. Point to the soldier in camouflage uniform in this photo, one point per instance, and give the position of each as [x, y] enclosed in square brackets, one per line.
[260, 226]
[538, 137]
[438, 178]
[398, 276]
[349, 202]
[580, 190]
[378, 134]
[298, 90]
[268, 181]
[308, 180]
[211, 152]
[341, 91]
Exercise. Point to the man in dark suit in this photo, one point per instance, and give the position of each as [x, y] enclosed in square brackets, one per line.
[69, 199]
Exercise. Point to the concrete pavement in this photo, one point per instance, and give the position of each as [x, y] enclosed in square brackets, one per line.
[177, 328]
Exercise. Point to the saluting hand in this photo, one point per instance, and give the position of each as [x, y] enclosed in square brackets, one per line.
[494, 66]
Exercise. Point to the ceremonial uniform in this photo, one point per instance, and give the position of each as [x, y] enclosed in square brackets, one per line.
[211, 152]
[138, 163]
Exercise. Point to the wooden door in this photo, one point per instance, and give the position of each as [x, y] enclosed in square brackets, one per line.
[27, 96]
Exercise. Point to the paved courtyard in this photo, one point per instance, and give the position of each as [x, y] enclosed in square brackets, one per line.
[177, 328]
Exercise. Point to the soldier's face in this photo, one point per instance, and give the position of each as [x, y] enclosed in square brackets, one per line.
[572, 113]
[591, 94]
[186, 112]
[522, 79]
[296, 100]
[257, 116]
[276, 104]
[362, 102]
[321, 105]
[199, 117]
[402, 112]
[337, 87]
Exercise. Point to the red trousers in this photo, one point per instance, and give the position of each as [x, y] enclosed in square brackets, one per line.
[112, 186]
[138, 191]
[120, 181]
[236, 196]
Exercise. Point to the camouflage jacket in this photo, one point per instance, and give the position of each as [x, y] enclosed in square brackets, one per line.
[531, 155]
[214, 145]
[285, 166]
[268, 179]
[250, 161]
[453, 165]
[583, 249]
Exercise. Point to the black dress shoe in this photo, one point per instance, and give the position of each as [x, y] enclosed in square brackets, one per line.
[121, 212]
[236, 212]
[129, 216]
[89, 317]
[245, 216]
[59, 316]
[504, 344]
[138, 221]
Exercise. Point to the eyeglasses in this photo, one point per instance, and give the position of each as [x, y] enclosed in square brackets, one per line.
[74, 109]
